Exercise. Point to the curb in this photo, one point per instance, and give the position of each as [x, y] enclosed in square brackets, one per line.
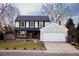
[22, 48]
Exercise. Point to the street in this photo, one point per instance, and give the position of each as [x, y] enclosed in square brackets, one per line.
[26, 53]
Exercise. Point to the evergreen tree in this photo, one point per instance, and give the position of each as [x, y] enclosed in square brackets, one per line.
[78, 27]
[69, 23]
[77, 33]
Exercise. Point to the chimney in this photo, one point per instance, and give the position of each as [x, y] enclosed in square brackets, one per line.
[59, 22]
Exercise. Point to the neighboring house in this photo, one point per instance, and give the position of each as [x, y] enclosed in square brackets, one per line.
[28, 27]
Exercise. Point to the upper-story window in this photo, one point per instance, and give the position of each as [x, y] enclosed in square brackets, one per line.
[17, 24]
[40, 24]
[36, 24]
[31, 24]
[22, 24]
[47, 23]
[27, 24]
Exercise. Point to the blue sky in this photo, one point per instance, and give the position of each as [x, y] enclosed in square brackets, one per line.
[74, 8]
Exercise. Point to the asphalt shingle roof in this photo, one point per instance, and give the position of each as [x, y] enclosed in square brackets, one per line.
[32, 18]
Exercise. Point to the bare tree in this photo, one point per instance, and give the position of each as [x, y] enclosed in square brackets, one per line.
[56, 11]
[7, 14]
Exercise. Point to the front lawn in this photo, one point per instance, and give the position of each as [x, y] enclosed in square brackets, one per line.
[20, 44]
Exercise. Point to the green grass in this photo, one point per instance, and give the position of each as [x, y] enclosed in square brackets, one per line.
[20, 44]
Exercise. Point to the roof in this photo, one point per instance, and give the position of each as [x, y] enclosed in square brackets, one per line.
[54, 28]
[28, 29]
[32, 18]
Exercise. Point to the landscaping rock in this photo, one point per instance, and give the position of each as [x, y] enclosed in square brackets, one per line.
[19, 48]
[43, 49]
[7, 48]
[35, 41]
[10, 48]
[30, 49]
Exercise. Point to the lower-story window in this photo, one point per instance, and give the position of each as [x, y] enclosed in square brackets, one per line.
[22, 34]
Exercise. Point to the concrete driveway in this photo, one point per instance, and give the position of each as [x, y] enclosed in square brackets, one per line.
[60, 47]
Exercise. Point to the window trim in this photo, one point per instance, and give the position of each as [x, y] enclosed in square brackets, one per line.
[21, 24]
[19, 34]
[36, 24]
[17, 24]
[27, 24]
[30, 24]
[42, 24]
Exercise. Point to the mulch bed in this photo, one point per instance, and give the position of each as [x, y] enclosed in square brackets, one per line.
[75, 45]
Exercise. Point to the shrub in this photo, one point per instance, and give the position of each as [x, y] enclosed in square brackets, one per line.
[24, 48]
[7, 48]
[14, 48]
[77, 33]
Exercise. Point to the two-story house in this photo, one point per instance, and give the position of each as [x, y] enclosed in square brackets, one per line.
[28, 27]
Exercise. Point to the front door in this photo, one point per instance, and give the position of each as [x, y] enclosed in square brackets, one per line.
[29, 35]
[36, 35]
[33, 35]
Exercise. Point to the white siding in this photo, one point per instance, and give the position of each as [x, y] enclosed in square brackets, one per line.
[47, 23]
[17, 24]
[36, 24]
[53, 37]
[27, 24]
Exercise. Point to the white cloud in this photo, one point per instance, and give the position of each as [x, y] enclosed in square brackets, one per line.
[27, 8]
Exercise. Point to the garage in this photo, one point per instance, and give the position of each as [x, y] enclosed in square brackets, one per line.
[53, 32]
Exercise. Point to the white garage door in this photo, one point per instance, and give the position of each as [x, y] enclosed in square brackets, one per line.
[53, 37]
